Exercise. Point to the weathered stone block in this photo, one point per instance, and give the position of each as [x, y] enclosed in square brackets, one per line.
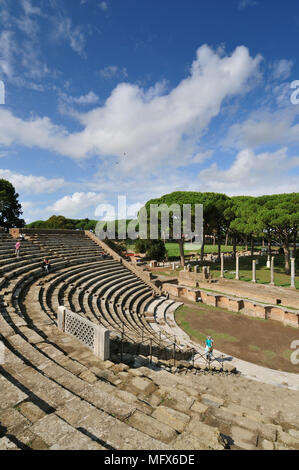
[152, 427]
[143, 385]
[173, 418]
[211, 400]
[208, 435]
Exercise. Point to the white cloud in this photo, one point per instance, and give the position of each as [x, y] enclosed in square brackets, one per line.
[254, 174]
[281, 69]
[88, 99]
[20, 61]
[76, 204]
[103, 6]
[7, 50]
[64, 29]
[265, 128]
[144, 130]
[111, 71]
[246, 3]
[32, 184]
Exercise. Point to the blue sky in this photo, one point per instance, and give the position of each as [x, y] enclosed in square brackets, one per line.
[141, 98]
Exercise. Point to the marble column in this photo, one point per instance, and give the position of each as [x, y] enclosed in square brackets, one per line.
[222, 265]
[272, 271]
[237, 267]
[293, 273]
[253, 270]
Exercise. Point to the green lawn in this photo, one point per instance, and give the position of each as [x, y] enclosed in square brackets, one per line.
[173, 249]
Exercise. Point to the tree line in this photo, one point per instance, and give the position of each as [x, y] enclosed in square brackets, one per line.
[273, 218]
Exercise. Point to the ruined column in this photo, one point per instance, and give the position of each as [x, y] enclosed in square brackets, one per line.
[222, 265]
[237, 267]
[269, 262]
[253, 270]
[293, 273]
[272, 272]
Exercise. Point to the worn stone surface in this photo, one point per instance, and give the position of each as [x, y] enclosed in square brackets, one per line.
[208, 435]
[7, 444]
[107, 402]
[211, 400]
[173, 418]
[268, 431]
[199, 408]
[74, 411]
[88, 376]
[244, 438]
[119, 435]
[186, 441]
[10, 394]
[51, 429]
[76, 441]
[267, 445]
[152, 427]
[31, 411]
[143, 385]
[13, 421]
[288, 440]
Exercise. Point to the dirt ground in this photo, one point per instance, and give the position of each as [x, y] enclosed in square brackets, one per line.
[263, 342]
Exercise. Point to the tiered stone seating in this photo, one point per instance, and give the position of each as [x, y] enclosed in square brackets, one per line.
[55, 394]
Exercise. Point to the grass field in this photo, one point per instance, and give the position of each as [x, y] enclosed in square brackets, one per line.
[174, 251]
[245, 271]
[262, 272]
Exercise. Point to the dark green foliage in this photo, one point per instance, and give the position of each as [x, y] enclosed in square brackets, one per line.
[10, 208]
[59, 222]
[155, 249]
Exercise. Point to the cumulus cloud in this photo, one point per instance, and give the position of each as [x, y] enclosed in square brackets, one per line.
[255, 174]
[264, 128]
[76, 204]
[144, 129]
[32, 184]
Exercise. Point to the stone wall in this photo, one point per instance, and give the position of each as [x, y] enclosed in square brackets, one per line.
[15, 232]
[182, 292]
[242, 306]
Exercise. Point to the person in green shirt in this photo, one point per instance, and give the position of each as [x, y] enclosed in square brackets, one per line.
[209, 347]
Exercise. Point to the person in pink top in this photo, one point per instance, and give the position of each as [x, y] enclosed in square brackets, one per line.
[18, 245]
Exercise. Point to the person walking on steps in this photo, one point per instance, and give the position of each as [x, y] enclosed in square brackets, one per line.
[17, 252]
[209, 347]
